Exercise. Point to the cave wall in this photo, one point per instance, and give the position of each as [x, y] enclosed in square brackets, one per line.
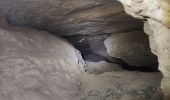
[77, 17]
[40, 65]
[35, 65]
[132, 47]
[69, 17]
[156, 16]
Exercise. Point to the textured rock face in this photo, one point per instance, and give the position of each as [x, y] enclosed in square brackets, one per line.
[35, 65]
[132, 47]
[160, 36]
[121, 85]
[156, 14]
[165, 6]
[69, 17]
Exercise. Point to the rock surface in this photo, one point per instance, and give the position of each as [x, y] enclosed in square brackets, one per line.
[35, 65]
[156, 14]
[102, 67]
[132, 47]
[69, 17]
[121, 85]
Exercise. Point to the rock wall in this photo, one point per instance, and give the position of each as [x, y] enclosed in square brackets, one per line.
[132, 47]
[35, 65]
[156, 16]
[69, 17]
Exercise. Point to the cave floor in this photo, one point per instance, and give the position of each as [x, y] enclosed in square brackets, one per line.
[121, 85]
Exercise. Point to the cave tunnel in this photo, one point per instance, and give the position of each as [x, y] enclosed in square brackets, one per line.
[84, 50]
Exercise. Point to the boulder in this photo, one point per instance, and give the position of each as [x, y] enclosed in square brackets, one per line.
[35, 65]
[132, 47]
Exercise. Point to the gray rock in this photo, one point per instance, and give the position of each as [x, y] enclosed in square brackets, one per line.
[69, 17]
[35, 65]
[157, 26]
[132, 47]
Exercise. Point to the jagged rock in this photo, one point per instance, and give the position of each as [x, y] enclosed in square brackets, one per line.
[35, 65]
[132, 47]
[69, 17]
[156, 15]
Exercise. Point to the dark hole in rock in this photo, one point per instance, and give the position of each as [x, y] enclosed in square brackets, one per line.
[93, 49]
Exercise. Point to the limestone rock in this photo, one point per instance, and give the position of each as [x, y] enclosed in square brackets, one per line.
[132, 47]
[35, 65]
[69, 17]
[102, 67]
[121, 85]
[156, 16]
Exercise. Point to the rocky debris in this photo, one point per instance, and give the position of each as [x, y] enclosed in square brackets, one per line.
[156, 16]
[69, 17]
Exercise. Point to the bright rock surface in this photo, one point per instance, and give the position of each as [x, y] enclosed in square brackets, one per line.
[156, 16]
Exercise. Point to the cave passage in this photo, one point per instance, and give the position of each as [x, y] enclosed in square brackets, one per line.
[93, 49]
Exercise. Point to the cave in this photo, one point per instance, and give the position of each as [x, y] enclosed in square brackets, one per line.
[84, 50]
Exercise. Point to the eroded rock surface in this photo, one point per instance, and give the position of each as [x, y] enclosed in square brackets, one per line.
[132, 47]
[156, 16]
[69, 17]
[35, 65]
[121, 85]
[39, 66]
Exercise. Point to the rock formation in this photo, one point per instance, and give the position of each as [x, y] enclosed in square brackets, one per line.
[132, 47]
[155, 14]
[38, 63]
[35, 65]
[69, 17]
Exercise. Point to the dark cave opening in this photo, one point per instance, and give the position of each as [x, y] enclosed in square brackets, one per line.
[93, 49]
